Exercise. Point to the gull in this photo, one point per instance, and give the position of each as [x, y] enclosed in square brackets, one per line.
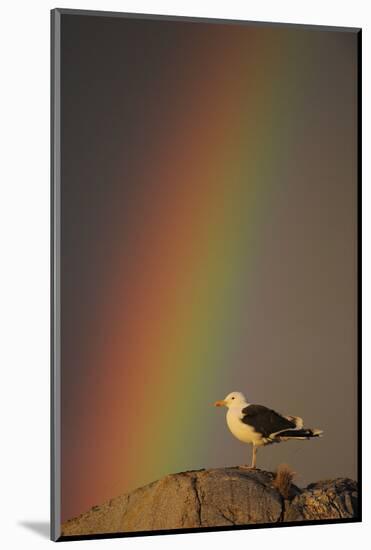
[260, 426]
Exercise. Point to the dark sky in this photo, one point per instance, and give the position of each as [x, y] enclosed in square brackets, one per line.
[208, 246]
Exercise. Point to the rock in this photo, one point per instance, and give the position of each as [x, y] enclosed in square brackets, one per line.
[330, 499]
[216, 497]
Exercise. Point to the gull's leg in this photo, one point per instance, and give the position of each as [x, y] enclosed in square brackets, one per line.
[253, 463]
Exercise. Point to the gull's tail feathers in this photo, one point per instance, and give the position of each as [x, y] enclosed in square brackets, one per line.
[304, 433]
[299, 423]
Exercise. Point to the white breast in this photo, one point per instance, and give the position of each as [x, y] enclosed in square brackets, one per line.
[242, 431]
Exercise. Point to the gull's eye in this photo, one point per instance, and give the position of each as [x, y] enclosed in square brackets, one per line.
[232, 397]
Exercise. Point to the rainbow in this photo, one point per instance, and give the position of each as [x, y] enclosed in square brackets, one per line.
[174, 307]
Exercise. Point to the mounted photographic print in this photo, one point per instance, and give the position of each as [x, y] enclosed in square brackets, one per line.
[205, 264]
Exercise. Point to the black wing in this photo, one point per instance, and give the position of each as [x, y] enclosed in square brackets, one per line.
[264, 420]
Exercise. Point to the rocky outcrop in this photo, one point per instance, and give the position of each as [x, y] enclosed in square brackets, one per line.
[332, 499]
[217, 497]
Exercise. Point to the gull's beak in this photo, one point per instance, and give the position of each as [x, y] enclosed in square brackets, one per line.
[221, 403]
